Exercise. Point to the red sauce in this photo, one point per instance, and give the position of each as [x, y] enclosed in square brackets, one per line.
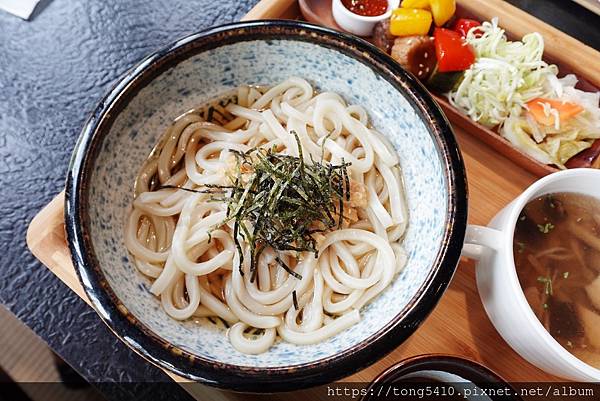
[366, 8]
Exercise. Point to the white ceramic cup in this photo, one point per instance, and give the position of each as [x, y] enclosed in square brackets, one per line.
[499, 287]
[358, 24]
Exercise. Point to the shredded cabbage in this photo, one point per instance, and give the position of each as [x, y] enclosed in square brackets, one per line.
[504, 76]
[555, 148]
[557, 143]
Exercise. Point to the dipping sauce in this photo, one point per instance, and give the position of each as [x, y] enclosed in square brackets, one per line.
[366, 8]
[557, 257]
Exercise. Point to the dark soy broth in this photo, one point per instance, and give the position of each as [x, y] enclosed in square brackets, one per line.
[557, 256]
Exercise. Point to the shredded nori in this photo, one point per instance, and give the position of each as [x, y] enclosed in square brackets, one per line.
[282, 203]
[295, 300]
[285, 202]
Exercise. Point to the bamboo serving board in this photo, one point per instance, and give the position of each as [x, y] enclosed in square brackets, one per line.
[458, 325]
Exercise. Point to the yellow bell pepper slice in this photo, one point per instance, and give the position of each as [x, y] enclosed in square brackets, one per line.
[409, 22]
[423, 4]
[442, 10]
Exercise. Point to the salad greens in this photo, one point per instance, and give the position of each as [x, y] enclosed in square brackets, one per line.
[504, 77]
[509, 79]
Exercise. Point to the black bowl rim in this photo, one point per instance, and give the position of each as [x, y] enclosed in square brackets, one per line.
[469, 369]
[448, 363]
[253, 379]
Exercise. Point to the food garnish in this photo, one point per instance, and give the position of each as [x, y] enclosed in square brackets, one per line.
[547, 281]
[545, 228]
[552, 112]
[282, 201]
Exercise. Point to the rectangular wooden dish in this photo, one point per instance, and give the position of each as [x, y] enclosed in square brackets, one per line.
[559, 49]
[592, 5]
[458, 325]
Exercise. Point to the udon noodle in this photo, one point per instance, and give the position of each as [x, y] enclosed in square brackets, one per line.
[183, 240]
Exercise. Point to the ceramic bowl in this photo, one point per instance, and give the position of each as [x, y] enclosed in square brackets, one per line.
[499, 287]
[359, 24]
[455, 377]
[128, 122]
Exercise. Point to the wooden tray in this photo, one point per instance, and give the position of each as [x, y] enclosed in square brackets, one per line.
[458, 325]
[555, 53]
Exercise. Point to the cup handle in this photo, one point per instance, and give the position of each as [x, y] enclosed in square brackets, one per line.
[479, 240]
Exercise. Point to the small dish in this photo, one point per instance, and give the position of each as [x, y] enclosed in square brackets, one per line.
[358, 24]
[457, 378]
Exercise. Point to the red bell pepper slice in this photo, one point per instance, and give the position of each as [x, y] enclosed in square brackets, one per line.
[453, 53]
[464, 25]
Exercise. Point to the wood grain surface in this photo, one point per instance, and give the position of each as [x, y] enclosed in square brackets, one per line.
[458, 325]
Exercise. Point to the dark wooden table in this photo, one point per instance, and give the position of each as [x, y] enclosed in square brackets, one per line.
[53, 70]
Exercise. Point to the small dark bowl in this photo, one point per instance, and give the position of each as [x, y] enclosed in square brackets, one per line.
[420, 368]
[127, 123]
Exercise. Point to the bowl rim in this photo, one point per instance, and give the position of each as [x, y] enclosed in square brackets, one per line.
[392, 4]
[247, 378]
[469, 369]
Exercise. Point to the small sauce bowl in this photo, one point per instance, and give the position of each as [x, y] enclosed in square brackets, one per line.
[358, 24]
[439, 376]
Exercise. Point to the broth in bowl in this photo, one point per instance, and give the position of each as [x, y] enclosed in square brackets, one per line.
[557, 257]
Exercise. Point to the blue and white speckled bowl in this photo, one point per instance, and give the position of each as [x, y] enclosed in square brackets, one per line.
[129, 120]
